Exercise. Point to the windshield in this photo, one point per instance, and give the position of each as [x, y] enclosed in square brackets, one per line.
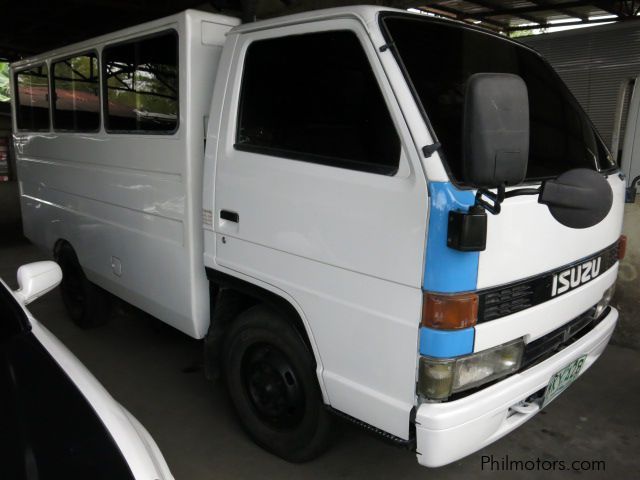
[439, 57]
[13, 320]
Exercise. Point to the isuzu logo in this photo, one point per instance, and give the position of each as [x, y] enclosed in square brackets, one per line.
[575, 276]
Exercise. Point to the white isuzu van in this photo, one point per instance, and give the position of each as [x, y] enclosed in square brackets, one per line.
[406, 221]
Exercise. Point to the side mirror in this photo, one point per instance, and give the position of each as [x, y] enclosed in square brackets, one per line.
[495, 130]
[36, 279]
[579, 198]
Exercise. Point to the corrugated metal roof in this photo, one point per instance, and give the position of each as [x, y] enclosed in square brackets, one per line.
[34, 26]
[511, 15]
[594, 62]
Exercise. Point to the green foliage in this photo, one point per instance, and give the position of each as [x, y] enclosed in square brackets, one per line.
[520, 33]
[78, 74]
[149, 88]
[4, 82]
[526, 33]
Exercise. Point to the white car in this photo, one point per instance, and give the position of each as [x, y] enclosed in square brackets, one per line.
[60, 421]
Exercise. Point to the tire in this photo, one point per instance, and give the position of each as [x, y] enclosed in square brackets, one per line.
[271, 378]
[87, 304]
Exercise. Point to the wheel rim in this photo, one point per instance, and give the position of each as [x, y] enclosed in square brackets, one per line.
[272, 386]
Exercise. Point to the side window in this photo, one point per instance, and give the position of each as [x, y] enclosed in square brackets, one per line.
[76, 94]
[32, 102]
[314, 97]
[141, 80]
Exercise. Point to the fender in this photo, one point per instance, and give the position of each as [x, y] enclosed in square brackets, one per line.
[278, 300]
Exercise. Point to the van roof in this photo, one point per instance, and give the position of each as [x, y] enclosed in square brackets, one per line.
[364, 13]
[132, 31]
[367, 14]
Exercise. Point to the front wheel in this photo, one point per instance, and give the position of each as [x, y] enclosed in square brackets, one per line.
[272, 382]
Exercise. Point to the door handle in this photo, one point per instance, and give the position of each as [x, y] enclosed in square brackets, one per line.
[230, 216]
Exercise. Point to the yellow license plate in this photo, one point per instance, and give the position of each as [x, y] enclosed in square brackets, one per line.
[562, 379]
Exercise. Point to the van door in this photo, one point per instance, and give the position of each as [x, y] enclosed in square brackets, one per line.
[320, 194]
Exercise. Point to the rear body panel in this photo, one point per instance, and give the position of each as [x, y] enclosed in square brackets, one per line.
[129, 202]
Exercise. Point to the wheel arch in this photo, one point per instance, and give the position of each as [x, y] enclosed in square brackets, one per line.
[58, 244]
[226, 288]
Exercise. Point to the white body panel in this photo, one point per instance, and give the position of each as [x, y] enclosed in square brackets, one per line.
[525, 240]
[330, 238]
[534, 322]
[130, 198]
[135, 443]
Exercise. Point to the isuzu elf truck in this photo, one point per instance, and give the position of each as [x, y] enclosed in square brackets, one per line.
[405, 221]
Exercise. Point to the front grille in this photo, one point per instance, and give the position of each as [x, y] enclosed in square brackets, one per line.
[550, 344]
[506, 301]
[503, 300]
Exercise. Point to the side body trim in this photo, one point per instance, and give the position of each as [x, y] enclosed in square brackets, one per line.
[448, 270]
[446, 343]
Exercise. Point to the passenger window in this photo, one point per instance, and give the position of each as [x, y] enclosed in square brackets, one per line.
[141, 80]
[76, 101]
[33, 99]
[314, 97]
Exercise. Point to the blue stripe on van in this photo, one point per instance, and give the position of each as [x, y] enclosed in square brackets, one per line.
[448, 270]
[446, 343]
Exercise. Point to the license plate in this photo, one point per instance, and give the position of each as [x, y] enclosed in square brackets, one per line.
[562, 379]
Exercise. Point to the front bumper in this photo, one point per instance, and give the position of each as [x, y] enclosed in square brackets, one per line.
[446, 432]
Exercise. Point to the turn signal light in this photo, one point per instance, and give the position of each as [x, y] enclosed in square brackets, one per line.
[449, 312]
[622, 247]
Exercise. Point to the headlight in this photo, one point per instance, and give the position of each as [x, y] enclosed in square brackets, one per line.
[604, 301]
[438, 378]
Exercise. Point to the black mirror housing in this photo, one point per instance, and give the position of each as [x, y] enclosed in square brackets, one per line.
[495, 130]
[579, 198]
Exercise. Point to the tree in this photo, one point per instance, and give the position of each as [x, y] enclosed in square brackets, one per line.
[526, 33]
[4, 82]
[521, 33]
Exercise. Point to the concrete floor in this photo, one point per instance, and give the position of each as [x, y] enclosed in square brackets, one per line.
[154, 371]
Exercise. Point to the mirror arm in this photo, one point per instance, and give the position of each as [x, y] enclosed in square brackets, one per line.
[522, 191]
[631, 191]
[497, 198]
[429, 150]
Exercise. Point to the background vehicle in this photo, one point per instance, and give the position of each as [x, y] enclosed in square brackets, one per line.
[4, 159]
[57, 420]
[419, 239]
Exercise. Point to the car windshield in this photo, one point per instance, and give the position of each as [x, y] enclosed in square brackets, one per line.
[51, 428]
[439, 57]
[12, 318]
